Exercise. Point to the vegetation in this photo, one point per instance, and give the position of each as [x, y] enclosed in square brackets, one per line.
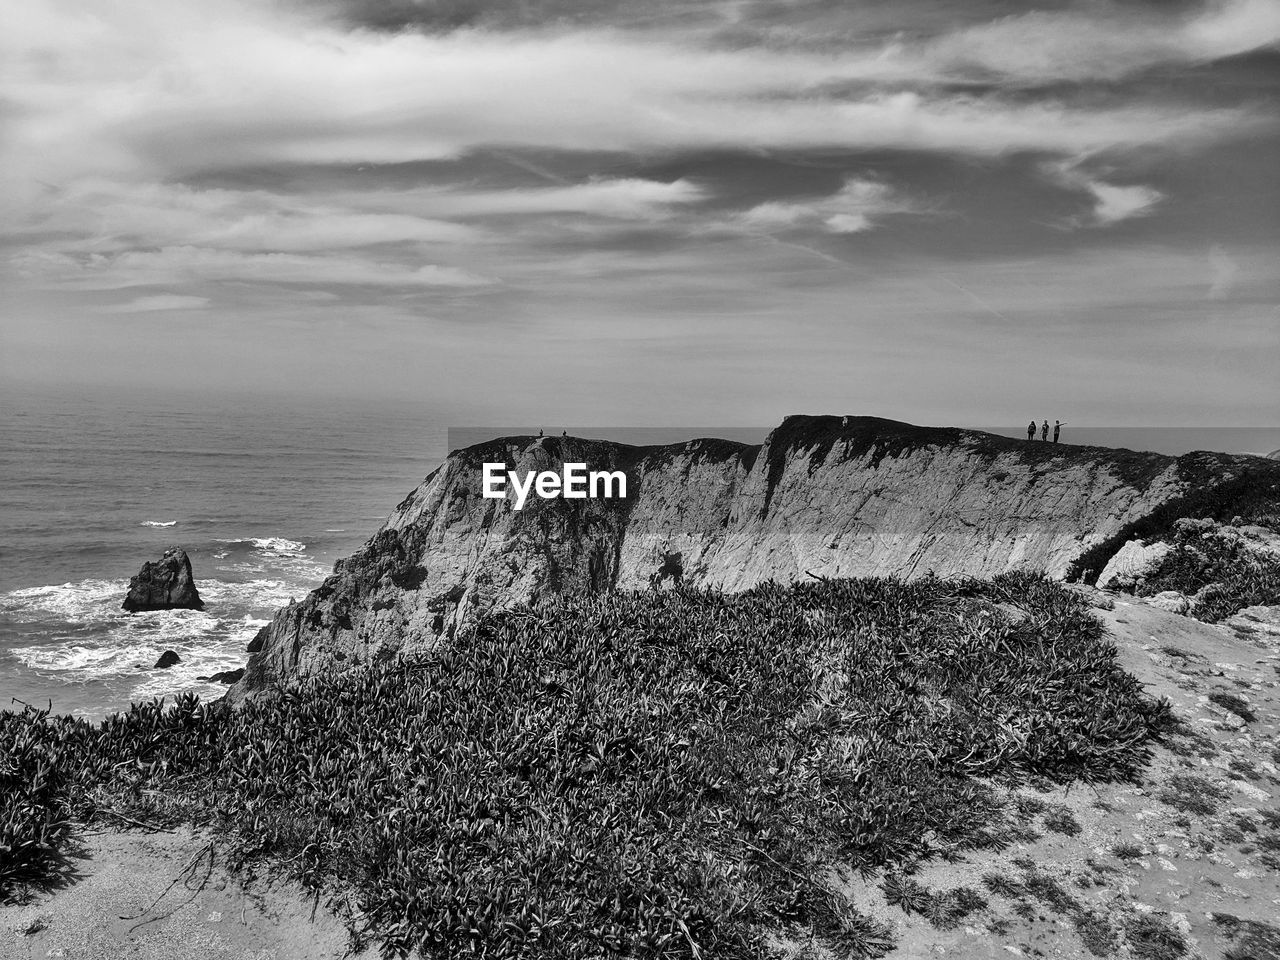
[652, 774]
[1216, 566]
[1220, 488]
[1234, 703]
[1192, 794]
[1059, 819]
[1250, 939]
[1151, 938]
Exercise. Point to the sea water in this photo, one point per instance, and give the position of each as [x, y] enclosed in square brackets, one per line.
[264, 495]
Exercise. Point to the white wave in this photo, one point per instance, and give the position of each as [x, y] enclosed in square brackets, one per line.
[128, 652]
[98, 602]
[85, 637]
[270, 544]
[158, 523]
[88, 601]
[335, 529]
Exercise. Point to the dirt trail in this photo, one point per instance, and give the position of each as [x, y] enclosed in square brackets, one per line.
[1140, 870]
[164, 896]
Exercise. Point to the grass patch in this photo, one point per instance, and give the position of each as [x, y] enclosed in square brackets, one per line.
[1192, 794]
[1096, 932]
[1126, 851]
[1151, 938]
[1249, 939]
[1233, 703]
[1059, 819]
[1004, 886]
[654, 774]
[952, 907]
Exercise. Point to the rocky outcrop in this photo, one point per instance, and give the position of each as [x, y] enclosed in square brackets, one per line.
[167, 660]
[1201, 567]
[1132, 564]
[164, 584]
[823, 496]
[225, 676]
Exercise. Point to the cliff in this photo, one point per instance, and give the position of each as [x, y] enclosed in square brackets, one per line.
[827, 496]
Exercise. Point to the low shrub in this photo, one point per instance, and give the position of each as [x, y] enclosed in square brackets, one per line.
[652, 774]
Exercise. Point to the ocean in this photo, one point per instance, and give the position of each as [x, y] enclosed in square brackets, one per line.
[264, 495]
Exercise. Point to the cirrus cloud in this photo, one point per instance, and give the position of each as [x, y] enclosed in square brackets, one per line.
[188, 263]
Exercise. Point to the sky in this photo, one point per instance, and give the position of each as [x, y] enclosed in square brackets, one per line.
[650, 212]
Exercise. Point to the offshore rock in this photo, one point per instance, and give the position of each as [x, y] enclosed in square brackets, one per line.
[823, 496]
[167, 660]
[164, 584]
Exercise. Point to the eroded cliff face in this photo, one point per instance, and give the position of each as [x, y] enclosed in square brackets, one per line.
[824, 496]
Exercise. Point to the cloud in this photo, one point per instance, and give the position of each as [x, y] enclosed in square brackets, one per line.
[190, 264]
[157, 303]
[853, 209]
[1112, 203]
[616, 198]
[121, 215]
[132, 88]
[1046, 47]
[1116, 203]
[1224, 270]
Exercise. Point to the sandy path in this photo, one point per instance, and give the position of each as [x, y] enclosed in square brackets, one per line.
[1180, 866]
[126, 903]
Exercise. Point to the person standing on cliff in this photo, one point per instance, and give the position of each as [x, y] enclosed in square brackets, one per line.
[1031, 430]
[1057, 429]
[1044, 431]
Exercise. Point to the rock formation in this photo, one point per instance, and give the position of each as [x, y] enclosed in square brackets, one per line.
[164, 584]
[1198, 566]
[167, 660]
[823, 496]
[1132, 564]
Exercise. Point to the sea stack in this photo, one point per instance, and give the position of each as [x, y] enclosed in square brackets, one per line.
[164, 584]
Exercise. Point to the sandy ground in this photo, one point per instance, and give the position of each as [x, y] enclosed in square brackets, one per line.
[1190, 836]
[166, 896]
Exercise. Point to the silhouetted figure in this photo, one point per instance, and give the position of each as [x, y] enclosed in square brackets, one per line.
[1031, 430]
[564, 433]
[1057, 429]
[539, 431]
[1044, 431]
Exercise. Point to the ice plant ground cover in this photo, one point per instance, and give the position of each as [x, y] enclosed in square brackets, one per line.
[659, 774]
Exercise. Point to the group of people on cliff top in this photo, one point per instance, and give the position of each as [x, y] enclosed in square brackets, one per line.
[1044, 430]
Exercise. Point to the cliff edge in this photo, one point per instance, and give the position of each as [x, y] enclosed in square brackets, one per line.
[822, 496]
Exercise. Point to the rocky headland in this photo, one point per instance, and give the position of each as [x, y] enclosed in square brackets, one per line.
[822, 496]
[587, 763]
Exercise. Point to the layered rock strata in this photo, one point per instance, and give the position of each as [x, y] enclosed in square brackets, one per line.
[823, 496]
